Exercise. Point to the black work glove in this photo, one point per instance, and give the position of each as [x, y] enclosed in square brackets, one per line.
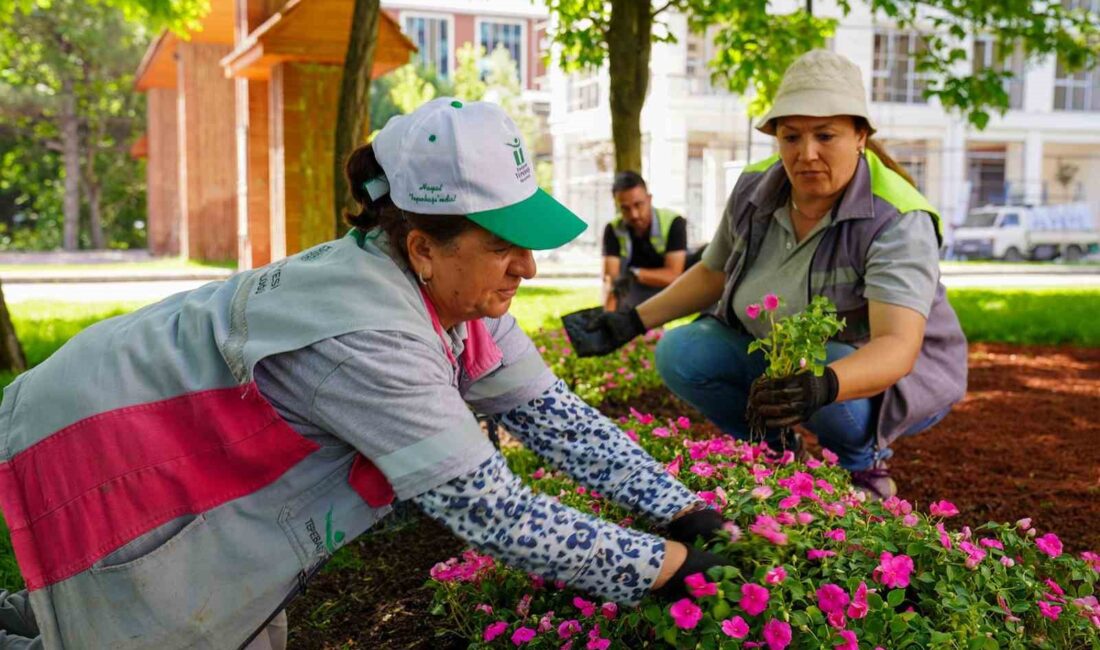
[703, 523]
[696, 562]
[786, 402]
[594, 331]
[621, 285]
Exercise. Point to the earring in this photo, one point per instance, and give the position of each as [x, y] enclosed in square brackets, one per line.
[420, 276]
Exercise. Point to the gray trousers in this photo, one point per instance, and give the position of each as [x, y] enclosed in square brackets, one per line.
[19, 630]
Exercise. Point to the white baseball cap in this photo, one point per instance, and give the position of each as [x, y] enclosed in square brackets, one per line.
[450, 157]
[819, 83]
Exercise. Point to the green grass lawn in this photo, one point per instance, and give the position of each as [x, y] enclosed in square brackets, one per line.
[1045, 316]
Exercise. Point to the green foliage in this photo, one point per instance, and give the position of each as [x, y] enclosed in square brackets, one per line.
[179, 15]
[757, 41]
[796, 343]
[960, 586]
[383, 105]
[89, 52]
[469, 85]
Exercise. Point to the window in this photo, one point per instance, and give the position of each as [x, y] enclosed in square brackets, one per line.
[432, 37]
[509, 35]
[1010, 220]
[1076, 91]
[988, 54]
[1088, 5]
[584, 92]
[986, 174]
[895, 77]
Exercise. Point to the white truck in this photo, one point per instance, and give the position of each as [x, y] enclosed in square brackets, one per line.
[1019, 232]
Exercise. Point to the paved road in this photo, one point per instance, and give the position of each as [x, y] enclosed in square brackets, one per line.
[150, 291]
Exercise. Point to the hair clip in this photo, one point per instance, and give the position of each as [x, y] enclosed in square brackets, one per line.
[377, 187]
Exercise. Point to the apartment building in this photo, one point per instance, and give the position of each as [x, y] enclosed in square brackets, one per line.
[697, 137]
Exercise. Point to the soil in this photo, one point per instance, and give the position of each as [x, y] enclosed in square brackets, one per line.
[1025, 442]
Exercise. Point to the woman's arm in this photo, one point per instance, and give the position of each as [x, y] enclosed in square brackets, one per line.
[896, 337]
[578, 439]
[492, 510]
[693, 291]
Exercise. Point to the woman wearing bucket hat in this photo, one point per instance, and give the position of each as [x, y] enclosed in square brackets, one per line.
[830, 215]
[173, 477]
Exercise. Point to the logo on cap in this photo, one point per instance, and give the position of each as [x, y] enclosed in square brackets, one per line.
[523, 170]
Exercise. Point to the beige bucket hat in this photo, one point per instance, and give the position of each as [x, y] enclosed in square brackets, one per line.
[819, 84]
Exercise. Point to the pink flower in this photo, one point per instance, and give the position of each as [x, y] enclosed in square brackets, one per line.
[943, 509]
[893, 571]
[831, 598]
[825, 486]
[1023, 524]
[685, 614]
[522, 636]
[835, 509]
[706, 470]
[775, 576]
[829, 457]
[1049, 544]
[733, 530]
[674, 467]
[909, 520]
[989, 542]
[484, 609]
[761, 492]
[524, 606]
[661, 432]
[897, 507]
[538, 473]
[804, 518]
[837, 534]
[598, 643]
[754, 598]
[642, 418]
[802, 363]
[1093, 559]
[836, 619]
[587, 609]
[818, 554]
[493, 630]
[771, 302]
[778, 634]
[683, 423]
[768, 528]
[813, 463]
[850, 641]
[698, 585]
[1048, 610]
[735, 627]
[753, 311]
[569, 628]
[858, 608]
[792, 501]
[945, 539]
[632, 434]
[800, 484]
[609, 610]
[785, 518]
[1007, 561]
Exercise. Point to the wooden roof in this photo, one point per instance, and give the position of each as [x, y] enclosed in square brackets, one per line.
[158, 66]
[315, 31]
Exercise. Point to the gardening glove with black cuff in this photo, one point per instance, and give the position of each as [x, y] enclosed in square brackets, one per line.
[597, 332]
[704, 523]
[790, 400]
[696, 562]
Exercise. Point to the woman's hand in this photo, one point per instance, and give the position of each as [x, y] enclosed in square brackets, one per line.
[680, 562]
[788, 401]
[596, 332]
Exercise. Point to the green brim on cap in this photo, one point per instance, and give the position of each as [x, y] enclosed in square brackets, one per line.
[537, 223]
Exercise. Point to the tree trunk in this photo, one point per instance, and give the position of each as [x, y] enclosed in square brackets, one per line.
[70, 155]
[12, 358]
[94, 191]
[628, 47]
[353, 120]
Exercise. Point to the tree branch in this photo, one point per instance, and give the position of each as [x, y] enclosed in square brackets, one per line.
[664, 8]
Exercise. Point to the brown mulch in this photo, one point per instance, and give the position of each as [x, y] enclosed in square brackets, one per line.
[1025, 442]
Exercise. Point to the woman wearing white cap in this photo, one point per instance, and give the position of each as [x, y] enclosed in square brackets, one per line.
[172, 477]
[830, 215]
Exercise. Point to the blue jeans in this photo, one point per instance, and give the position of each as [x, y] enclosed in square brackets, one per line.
[707, 365]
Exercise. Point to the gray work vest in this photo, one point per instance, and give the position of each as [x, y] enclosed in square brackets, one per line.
[155, 499]
[874, 199]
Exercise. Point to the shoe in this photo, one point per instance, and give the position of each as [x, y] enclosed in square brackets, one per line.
[875, 482]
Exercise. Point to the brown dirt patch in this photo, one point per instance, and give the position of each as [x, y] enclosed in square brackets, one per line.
[1025, 442]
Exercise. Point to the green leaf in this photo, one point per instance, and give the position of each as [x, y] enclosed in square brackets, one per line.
[895, 597]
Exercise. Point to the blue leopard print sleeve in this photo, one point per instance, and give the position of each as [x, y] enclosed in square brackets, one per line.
[584, 443]
[496, 513]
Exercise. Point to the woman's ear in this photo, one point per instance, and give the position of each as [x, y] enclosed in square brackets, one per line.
[421, 253]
